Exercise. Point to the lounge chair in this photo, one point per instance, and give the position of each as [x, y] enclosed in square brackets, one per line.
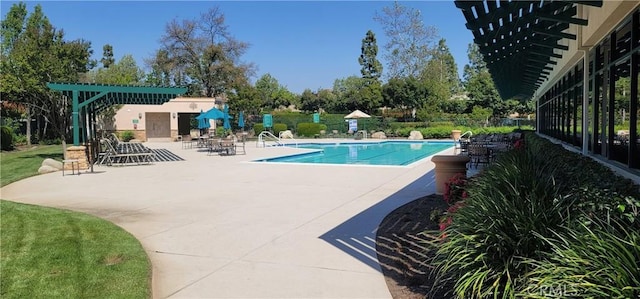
[125, 153]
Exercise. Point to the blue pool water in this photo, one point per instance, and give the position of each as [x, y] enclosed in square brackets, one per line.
[397, 153]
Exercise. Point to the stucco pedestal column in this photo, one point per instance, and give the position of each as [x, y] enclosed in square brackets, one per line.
[446, 167]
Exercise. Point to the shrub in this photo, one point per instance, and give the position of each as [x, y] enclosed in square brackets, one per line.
[258, 128]
[515, 197]
[127, 136]
[50, 141]
[20, 139]
[6, 137]
[277, 128]
[587, 263]
[436, 132]
[522, 212]
[440, 124]
[310, 129]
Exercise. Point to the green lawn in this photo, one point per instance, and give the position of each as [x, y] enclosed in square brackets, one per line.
[20, 164]
[52, 253]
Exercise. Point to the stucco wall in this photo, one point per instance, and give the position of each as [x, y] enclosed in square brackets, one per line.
[134, 117]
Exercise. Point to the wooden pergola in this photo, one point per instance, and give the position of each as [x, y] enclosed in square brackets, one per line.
[87, 100]
[521, 41]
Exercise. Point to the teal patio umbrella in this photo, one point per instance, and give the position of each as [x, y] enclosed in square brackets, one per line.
[213, 113]
[241, 120]
[226, 117]
[203, 122]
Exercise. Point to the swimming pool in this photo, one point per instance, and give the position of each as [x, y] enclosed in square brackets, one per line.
[398, 153]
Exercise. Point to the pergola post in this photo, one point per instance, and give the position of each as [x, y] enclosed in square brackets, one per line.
[75, 117]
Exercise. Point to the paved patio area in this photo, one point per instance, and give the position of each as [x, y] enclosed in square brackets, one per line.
[223, 227]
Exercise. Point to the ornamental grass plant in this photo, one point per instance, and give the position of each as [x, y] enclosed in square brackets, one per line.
[588, 261]
[520, 211]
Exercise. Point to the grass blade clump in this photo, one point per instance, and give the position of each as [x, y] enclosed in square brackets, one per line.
[511, 205]
[587, 262]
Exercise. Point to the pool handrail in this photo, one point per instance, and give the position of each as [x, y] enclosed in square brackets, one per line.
[265, 136]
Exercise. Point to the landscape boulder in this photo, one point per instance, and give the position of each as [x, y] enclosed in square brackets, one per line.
[379, 135]
[415, 135]
[286, 134]
[52, 163]
[47, 169]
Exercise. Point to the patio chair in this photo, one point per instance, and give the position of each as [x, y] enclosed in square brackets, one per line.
[479, 154]
[188, 141]
[240, 144]
[227, 147]
[214, 145]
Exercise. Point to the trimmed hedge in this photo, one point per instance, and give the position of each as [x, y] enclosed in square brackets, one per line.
[257, 128]
[444, 132]
[277, 128]
[310, 129]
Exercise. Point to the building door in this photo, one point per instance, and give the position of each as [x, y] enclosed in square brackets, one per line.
[158, 126]
[186, 122]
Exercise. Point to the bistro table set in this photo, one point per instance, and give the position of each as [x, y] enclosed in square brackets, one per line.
[483, 149]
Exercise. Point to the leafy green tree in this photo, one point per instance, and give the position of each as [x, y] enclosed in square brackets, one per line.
[442, 68]
[309, 101]
[204, 55]
[481, 114]
[371, 66]
[164, 71]
[476, 62]
[273, 94]
[36, 53]
[408, 94]
[454, 105]
[408, 48]
[12, 27]
[479, 85]
[358, 93]
[482, 92]
[245, 98]
[107, 56]
[123, 72]
[327, 99]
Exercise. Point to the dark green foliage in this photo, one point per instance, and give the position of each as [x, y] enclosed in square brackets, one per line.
[587, 263]
[126, 136]
[257, 128]
[516, 197]
[445, 131]
[371, 68]
[6, 135]
[531, 206]
[310, 129]
[278, 127]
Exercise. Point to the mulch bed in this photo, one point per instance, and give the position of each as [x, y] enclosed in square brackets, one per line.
[401, 248]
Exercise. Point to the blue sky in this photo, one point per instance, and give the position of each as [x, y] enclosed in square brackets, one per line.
[303, 44]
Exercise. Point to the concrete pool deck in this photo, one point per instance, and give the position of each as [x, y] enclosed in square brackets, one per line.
[223, 227]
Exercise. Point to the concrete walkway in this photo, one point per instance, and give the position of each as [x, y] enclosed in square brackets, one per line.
[223, 227]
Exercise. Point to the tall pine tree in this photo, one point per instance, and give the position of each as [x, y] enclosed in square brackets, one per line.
[371, 66]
